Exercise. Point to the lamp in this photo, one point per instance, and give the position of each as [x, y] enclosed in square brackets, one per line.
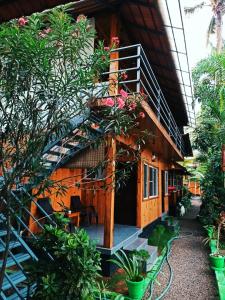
[153, 156]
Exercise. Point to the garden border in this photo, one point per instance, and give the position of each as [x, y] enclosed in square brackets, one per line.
[220, 278]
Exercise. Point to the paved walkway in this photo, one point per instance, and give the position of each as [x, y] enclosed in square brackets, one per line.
[193, 279]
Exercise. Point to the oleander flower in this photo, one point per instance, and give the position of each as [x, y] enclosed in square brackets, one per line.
[123, 93]
[22, 21]
[120, 102]
[109, 102]
[115, 40]
[132, 106]
[124, 75]
[81, 18]
[141, 115]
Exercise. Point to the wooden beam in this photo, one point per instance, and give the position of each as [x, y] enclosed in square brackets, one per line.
[114, 66]
[110, 195]
[166, 135]
[139, 193]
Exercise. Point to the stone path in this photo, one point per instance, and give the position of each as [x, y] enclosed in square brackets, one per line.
[193, 279]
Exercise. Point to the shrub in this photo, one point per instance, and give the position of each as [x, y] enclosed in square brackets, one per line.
[75, 269]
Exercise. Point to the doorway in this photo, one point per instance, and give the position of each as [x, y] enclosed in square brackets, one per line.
[125, 211]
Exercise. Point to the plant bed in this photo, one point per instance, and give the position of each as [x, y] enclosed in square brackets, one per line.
[118, 286]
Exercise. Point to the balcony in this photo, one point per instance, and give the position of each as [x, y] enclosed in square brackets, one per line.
[133, 61]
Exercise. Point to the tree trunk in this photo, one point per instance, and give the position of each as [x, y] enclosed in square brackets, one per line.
[219, 40]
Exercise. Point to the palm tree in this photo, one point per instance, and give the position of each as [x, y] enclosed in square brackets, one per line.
[216, 22]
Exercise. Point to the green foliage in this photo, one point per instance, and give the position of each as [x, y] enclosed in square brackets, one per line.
[160, 236]
[186, 198]
[73, 273]
[129, 263]
[209, 136]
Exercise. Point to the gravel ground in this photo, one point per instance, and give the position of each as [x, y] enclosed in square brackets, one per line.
[193, 279]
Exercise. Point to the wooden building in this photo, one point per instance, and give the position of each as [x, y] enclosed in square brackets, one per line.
[145, 53]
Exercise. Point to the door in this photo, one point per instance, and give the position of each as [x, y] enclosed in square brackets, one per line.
[126, 199]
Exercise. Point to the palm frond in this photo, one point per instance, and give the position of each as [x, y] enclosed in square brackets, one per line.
[192, 9]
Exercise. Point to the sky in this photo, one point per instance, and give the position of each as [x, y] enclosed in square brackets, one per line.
[196, 26]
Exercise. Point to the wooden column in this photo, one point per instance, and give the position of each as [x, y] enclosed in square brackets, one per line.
[110, 194]
[139, 193]
[114, 66]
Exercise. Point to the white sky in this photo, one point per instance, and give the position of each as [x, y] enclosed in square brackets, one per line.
[196, 26]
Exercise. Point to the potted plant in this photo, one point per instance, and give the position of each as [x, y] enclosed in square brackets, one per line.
[216, 259]
[131, 266]
[211, 239]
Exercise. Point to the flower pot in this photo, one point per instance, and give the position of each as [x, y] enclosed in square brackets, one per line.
[217, 261]
[135, 288]
[213, 243]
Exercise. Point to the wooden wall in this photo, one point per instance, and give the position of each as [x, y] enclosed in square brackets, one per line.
[69, 177]
[150, 209]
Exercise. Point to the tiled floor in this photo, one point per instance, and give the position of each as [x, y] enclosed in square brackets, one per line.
[121, 233]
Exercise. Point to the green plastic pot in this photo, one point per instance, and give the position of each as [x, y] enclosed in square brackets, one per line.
[135, 288]
[216, 261]
[213, 243]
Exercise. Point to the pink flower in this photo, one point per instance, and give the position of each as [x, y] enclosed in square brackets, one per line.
[47, 30]
[121, 103]
[109, 102]
[22, 21]
[106, 48]
[124, 76]
[81, 18]
[115, 40]
[123, 93]
[132, 106]
[141, 115]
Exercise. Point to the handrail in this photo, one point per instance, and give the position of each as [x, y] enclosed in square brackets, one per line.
[143, 79]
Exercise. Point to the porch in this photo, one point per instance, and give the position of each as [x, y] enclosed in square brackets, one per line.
[122, 236]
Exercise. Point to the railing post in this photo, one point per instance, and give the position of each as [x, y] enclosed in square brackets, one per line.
[159, 105]
[138, 84]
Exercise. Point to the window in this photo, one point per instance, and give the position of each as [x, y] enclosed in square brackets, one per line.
[153, 182]
[166, 182]
[94, 174]
[145, 181]
[150, 181]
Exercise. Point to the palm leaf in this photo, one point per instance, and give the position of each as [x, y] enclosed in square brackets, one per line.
[211, 29]
[192, 9]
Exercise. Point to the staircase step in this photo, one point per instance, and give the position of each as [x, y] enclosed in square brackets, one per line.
[153, 252]
[3, 232]
[137, 244]
[23, 292]
[2, 218]
[16, 278]
[12, 244]
[20, 257]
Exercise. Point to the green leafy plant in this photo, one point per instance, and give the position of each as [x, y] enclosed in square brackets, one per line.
[160, 236]
[74, 272]
[130, 265]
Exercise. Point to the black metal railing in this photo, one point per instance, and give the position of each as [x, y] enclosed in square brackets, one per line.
[133, 62]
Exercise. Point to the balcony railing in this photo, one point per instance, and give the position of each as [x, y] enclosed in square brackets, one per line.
[133, 61]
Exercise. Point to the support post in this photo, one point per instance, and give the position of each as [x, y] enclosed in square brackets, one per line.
[114, 65]
[110, 194]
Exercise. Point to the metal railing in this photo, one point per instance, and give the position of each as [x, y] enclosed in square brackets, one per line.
[133, 61]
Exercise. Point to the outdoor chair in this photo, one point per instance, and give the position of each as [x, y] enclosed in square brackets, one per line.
[47, 210]
[86, 212]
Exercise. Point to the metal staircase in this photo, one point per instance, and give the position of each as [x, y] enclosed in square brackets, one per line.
[59, 151]
[15, 284]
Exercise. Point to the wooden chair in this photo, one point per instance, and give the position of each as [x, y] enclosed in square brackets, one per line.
[86, 212]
